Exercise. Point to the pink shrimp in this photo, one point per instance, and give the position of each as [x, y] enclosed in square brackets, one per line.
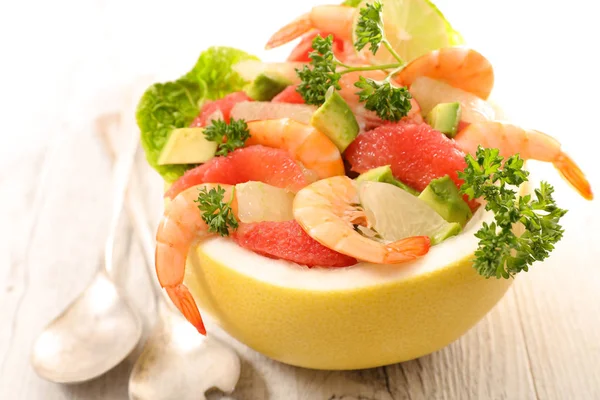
[329, 209]
[335, 19]
[181, 225]
[462, 68]
[529, 144]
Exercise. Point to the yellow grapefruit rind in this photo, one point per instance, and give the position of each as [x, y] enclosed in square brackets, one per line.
[358, 317]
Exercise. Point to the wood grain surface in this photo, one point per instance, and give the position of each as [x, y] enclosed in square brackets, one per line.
[69, 61]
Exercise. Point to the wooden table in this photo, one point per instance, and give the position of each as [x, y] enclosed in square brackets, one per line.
[66, 63]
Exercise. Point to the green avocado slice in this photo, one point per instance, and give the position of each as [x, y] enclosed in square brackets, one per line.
[187, 146]
[335, 119]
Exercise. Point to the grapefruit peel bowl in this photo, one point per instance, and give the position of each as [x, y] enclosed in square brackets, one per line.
[357, 317]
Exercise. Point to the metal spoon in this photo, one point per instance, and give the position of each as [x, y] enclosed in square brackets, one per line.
[100, 328]
[176, 362]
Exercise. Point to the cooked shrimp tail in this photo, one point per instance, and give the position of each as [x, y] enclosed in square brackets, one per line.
[529, 144]
[181, 226]
[407, 249]
[183, 300]
[574, 175]
[291, 31]
[332, 19]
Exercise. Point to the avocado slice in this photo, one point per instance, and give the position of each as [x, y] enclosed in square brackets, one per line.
[335, 119]
[449, 230]
[445, 118]
[442, 195]
[384, 174]
[266, 86]
[187, 146]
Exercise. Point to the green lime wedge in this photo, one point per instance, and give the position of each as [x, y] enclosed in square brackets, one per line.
[413, 28]
[396, 214]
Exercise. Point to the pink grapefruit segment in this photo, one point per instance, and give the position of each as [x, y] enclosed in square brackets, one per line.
[417, 153]
[224, 105]
[287, 240]
[254, 163]
[289, 95]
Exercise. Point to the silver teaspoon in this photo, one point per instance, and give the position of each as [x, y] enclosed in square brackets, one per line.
[176, 362]
[100, 328]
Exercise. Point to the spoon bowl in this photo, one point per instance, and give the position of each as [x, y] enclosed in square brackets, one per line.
[95, 333]
[178, 363]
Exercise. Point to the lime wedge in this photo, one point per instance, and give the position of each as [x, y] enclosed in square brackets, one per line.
[413, 28]
[396, 214]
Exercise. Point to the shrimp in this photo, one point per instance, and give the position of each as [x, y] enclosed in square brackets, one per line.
[181, 225]
[304, 143]
[334, 19]
[529, 144]
[462, 68]
[329, 209]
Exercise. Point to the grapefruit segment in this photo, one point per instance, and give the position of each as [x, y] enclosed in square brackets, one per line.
[417, 153]
[223, 105]
[287, 240]
[289, 95]
[255, 163]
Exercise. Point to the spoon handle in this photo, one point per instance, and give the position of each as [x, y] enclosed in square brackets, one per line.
[139, 220]
[108, 126]
[121, 175]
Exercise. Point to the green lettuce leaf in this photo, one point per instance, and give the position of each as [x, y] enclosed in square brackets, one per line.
[351, 3]
[162, 108]
[167, 106]
[214, 66]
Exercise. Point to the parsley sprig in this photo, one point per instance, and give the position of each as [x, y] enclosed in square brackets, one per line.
[322, 75]
[229, 136]
[388, 101]
[217, 213]
[501, 253]
[369, 30]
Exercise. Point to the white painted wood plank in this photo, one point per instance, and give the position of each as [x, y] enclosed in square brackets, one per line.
[559, 306]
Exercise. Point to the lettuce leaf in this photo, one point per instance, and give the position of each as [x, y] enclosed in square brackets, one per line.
[214, 66]
[162, 108]
[351, 3]
[167, 106]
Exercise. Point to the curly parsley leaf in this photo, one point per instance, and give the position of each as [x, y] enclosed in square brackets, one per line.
[369, 29]
[217, 213]
[391, 103]
[388, 101]
[322, 75]
[501, 253]
[229, 136]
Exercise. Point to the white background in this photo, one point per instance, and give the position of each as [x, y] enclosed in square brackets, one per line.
[544, 52]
